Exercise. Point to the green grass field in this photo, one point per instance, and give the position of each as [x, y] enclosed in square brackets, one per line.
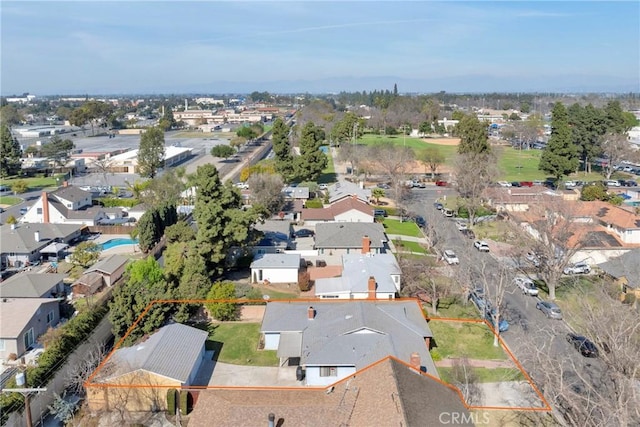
[36, 182]
[457, 339]
[406, 246]
[237, 343]
[406, 228]
[328, 175]
[276, 295]
[450, 307]
[9, 200]
[417, 144]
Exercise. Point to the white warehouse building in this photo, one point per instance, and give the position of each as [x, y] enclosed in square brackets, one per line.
[127, 162]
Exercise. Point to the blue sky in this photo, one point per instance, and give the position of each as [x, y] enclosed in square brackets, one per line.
[118, 47]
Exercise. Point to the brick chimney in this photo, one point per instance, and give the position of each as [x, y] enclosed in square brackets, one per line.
[311, 313]
[414, 360]
[371, 287]
[45, 207]
[366, 244]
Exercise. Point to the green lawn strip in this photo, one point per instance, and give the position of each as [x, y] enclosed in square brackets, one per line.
[406, 246]
[276, 294]
[417, 144]
[451, 308]
[405, 228]
[460, 339]
[9, 200]
[485, 375]
[237, 343]
[328, 175]
[36, 182]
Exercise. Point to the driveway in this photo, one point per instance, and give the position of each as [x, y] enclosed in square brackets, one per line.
[214, 373]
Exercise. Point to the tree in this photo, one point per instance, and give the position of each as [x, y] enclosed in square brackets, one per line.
[282, 149]
[10, 149]
[85, 254]
[57, 150]
[20, 186]
[394, 161]
[225, 309]
[9, 115]
[587, 126]
[424, 128]
[149, 230]
[221, 223]
[312, 160]
[81, 370]
[181, 231]
[144, 282]
[236, 143]
[473, 134]
[474, 172]
[596, 191]
[151, 152]
[246, 132]
[222, 151]
[91, 112]
[266, 191]
[377, 193]
[62, 409]
[167, 121]
[616, 148]
[559, 158]
[432, 158]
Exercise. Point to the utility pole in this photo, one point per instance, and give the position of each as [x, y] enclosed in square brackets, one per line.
[24, 391]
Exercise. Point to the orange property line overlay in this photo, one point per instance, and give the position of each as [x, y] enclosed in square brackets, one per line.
[546, 408]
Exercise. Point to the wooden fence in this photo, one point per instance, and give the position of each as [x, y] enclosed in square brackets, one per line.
[111, 229]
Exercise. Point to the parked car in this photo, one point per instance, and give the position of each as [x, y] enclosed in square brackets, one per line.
[461, 225]
[503, 325]
[628, 183]
[549, 309]
[526, 183]
[504, 184]
[468, 233]
[380, 212]
[570, 184]
[583, 345]
[577, 268]
[439, 206]
[526, 285]
[420, 221]
[516, 184]
[477, 297]
[323, 186]
[23, 211]
[441, 183]
[447, 212]
[383, 186]
[533, 258]
[612, 183]
[242, 185]
[481, 245]
[304, 232]
[450, 257]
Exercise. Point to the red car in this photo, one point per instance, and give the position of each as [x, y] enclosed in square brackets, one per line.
[441, 183]
[526, 183]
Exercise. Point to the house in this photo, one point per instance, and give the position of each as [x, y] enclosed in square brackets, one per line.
[342, 189]
[127, 162]
[519, 199]
[390, 392]
[295, 193]
[334, 340]
[23, 320]
[275, 229]
[339, 238]
[275, 268]
[110, 268]
[21, 244]
[170, 357]
[626, 270]
[66, 205]
[349, 209]
[624, 223]
[373, 276]
[87, 284]
[33, 285]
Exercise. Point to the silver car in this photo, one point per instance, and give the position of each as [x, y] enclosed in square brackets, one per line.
[550, 309]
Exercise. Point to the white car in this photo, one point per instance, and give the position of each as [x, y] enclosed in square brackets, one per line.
[526, 285]
[481, 245]
[578, 268]
[323, 186]
[612, 183]
[242, 185]
[504, 184]
[461, 225]
[450, 257]
[570, 184]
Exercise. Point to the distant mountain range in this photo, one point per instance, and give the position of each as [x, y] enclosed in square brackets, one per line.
[452, 84]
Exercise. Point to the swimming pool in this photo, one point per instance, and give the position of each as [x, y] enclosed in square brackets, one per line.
[117, 242]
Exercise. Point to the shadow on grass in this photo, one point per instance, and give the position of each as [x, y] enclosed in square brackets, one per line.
[326, 178]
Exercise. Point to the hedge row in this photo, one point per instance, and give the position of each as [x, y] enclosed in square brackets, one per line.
[113, 202]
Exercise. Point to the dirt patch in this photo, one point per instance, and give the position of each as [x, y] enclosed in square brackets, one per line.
[252, 313]
[442, 141]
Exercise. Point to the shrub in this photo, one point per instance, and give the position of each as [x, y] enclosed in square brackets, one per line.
[185, 397]
[435, 355]
[171, 401]
[113, 202]
[304, 281]
[313, 203]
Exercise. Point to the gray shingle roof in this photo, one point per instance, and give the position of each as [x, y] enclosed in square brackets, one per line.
[26, 285]
[296, 192]
[357, 268]
[109, 264]
[627, 266]
[343, 189]
[71, 193]
[275, 226]
[354, 333]
[277, 261]
[342, 235]
[15, 313]
[22, 240]
[171, 352]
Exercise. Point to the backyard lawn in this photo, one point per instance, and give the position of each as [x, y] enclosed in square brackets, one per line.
[36, 182]
[459, 339]
[405, 228]
[277, 295]
[328, 175]
[486, 375]
[237, 343]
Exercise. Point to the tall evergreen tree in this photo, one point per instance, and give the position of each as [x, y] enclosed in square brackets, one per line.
[9, 153]
[560, 157]
[282, 149]
[311, 161]
[474, 137]
[221, 221]
[151, 153]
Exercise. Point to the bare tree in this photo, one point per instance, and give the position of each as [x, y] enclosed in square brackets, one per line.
[556, 238]
[266, 190]
[466, 379]
[85, 366]
[103, 166]
[474, 172]
[591, 392]
[394, 162]
[616, 148]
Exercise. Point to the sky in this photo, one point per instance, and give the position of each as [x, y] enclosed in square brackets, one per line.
[136, 46]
